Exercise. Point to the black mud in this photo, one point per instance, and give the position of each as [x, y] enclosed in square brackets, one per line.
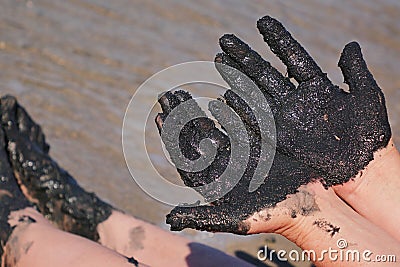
[327, 227]
[333, 131]
[56, 192]
[133, 261]
[11, 197]
[229, 213]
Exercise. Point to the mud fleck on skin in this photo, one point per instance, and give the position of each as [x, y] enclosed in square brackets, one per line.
[27, 219]
[133, 261]
[302, 203]
[327, 227]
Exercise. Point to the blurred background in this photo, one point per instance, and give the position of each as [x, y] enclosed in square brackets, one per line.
[74, 65]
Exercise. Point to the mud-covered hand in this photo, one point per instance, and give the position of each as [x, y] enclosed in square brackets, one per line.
[239, 210]
[332, 130]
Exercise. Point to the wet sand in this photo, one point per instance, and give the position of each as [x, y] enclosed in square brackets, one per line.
[75, 65]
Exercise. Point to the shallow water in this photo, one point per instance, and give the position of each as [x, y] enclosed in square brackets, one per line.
[75, 65]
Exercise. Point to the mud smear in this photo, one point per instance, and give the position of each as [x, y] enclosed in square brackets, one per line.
[327, 227]
[14, 249]
[302, 203]
[136, 236]
[26, 247]
[55, 191]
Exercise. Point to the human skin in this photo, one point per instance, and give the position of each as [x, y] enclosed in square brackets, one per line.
[374, 193]
[38, 243]
[114, 234]
[342, 135]
[331, 219]
[371, 234]
[119, 230]
[359, 233]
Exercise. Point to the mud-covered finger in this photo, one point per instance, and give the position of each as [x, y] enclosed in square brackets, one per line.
[186, 116]
[206, 218]
[268, 78]
[182, 131]
[232, 73]
[299, 63]
[168, 101]
[244, 111]
[355, 70]
[9, 116]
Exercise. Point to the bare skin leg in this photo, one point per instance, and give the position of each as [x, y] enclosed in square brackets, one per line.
[156, 247]
[35, 242]
[375, 192]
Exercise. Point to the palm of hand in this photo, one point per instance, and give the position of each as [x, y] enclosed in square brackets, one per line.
[231, 212]
[331, 130]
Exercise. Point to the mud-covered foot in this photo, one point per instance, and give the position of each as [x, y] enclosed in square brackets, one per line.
[56, 193]
[11, 197]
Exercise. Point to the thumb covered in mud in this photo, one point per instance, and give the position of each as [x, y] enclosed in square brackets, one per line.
[206, 218]
[355, 71]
